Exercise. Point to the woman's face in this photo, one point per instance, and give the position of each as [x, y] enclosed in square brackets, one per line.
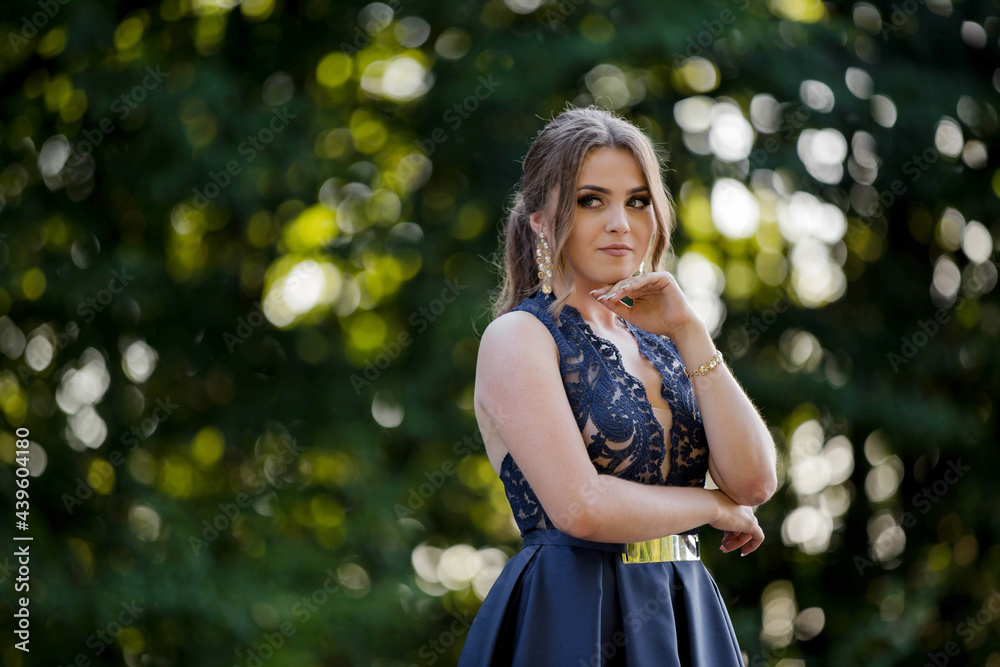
[613, 207]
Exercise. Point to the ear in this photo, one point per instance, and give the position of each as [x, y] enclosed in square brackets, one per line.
[539, 224]
[536, 223]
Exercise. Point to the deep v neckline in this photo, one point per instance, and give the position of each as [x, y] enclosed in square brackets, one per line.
[644, 403]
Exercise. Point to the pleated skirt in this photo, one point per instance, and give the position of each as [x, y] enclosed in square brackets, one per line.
[563, 601]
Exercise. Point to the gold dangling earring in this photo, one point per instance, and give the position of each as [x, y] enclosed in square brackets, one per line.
[544, 259]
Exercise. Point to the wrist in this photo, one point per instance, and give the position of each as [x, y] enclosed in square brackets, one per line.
[716, 505]
[695, 344]
[692, 327]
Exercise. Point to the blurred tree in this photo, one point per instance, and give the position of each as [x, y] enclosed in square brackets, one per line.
[243, 251]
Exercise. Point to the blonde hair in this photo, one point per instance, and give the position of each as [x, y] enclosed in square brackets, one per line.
[554, 160]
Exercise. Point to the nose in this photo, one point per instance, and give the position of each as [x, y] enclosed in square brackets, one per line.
[617, 220]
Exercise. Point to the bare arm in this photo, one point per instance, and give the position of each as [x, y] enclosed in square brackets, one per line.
[619, 510]
[519, 388]
[741, 456]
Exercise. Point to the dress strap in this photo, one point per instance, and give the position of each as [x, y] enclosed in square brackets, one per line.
[556, 536]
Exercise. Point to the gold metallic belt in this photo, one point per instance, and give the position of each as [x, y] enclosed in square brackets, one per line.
[663, 549]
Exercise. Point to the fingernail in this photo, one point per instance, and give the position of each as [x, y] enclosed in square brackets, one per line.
[592, 291]
[742, 554]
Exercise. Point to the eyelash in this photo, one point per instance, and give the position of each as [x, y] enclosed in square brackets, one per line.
[582, 201]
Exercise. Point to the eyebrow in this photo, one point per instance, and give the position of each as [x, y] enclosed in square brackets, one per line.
[607, 192]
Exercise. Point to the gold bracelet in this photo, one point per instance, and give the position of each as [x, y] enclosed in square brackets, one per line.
[704, 368]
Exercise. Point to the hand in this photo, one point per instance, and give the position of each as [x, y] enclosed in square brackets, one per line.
[658, 305]
[739, 523]
[732, 540]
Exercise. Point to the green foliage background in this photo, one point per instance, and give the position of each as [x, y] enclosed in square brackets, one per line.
[159, 400]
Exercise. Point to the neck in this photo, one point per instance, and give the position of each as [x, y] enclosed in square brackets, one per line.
[593, 311]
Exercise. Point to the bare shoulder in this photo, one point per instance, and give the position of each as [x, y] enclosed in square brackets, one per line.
[516, 331]
[516, 349]
[517, 341]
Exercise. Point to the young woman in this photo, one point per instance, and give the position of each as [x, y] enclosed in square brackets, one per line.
[602, 420]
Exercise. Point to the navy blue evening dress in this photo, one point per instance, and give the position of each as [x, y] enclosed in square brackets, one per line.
[564, 601]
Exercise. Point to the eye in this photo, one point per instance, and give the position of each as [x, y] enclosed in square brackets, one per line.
[585, 200]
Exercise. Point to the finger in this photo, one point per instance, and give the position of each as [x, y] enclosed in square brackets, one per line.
[743, 539]
[608, 293]
[639, 285]
[632, 282]
[754, 543]
[738, 541]
[734, 536]
[730, 538]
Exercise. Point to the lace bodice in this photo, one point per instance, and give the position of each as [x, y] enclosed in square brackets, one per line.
[622, 434]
